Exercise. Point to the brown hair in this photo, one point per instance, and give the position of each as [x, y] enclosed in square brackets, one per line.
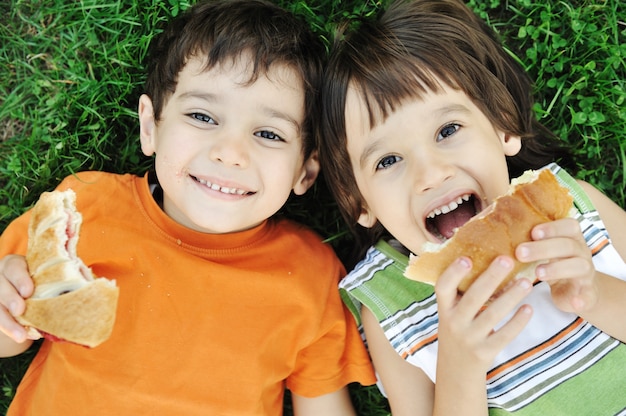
[222, 30]
[402, 53]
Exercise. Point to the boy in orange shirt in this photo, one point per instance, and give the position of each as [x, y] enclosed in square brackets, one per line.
[222, 304]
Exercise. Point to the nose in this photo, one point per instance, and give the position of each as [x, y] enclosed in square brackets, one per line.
[230, 148]
[431, 169]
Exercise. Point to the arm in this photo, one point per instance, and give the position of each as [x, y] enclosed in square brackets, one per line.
[610, 307]
[15, 285]
[612, 291]
[333, 404]
[575, 284]
[467, 345]
[409, 390]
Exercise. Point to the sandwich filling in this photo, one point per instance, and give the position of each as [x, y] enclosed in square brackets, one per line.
[71, 227]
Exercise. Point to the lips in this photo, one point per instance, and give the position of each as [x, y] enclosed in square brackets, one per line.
[222, 189]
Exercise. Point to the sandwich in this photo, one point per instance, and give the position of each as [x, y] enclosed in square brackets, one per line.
[69, 303]
[534, 198]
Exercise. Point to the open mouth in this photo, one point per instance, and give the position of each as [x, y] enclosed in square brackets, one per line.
[443, 221]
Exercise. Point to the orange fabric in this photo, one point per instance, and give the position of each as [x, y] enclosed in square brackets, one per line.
[206, 324]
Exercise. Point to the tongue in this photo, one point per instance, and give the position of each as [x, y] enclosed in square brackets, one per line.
[447, 223]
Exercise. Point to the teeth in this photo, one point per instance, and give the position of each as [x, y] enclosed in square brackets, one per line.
[450, 207]
[222, 189]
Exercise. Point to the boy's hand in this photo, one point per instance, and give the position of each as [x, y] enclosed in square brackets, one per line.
[466, 324]
[569, 269]
[15, 285]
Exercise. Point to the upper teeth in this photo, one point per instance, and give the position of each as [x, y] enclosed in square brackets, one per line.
[450, 207]
[223, 189]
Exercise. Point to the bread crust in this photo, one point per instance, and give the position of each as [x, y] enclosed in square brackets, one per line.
[68, 303]
[506, 224]
[83, 316]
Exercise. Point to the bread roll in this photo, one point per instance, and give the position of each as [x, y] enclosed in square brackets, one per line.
[68, 303]
[534, 198]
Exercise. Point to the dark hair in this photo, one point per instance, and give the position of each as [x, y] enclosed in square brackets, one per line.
[222, 30]
[400, 55]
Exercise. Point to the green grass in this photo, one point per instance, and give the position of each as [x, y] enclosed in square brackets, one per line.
[576, 53]
[71, 74]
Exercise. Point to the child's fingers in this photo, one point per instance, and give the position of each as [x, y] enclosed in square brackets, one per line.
[511, 329]
[485, 286]
[14, 270]
[569, 268]
[15, 284]
[552, 240]
[10, 299]
[10, 327]
[494, 312]
[470, 321]
[574, 295]
[554, 248]
[448, 283]
[565, 227]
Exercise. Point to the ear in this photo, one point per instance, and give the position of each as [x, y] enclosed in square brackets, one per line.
[367, 219]
[310, 170]
[146, 125]
[511, 144]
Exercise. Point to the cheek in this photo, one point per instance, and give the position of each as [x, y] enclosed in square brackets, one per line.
[175, 150]
[381, 200]
[167, 164]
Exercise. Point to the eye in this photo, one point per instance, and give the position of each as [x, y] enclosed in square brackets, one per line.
[266, 134]
[202, 118]
[447, 131]
[387, 161]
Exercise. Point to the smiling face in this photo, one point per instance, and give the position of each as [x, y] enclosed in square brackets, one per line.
[428, 167]
[228, 152]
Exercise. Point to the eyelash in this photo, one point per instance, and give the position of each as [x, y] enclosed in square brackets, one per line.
[441, 136]
[203, 118]
[264, 134]
[381, 165]
[273, 136]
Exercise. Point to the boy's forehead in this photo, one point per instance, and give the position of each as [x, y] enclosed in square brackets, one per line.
[278, 92]
[245, 70]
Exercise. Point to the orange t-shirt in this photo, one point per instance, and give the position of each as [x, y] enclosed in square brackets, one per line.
[206, 324]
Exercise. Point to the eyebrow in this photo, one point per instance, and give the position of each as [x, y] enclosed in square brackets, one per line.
[368, 151]
[269, 111]
[283, 116]
[197, 94]
[451, 109]
[440, 112]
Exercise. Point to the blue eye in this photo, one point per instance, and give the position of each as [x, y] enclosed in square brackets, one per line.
[266, 134]
[387, 161]
[448, 131]
[202, 118]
